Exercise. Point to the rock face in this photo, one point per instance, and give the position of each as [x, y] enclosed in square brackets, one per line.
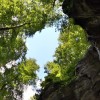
[86, 13]
[87, 86]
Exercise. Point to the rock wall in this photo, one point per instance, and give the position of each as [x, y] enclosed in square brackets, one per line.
[87, 85]
[86, 13]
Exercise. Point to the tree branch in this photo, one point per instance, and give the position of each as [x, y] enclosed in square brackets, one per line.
[54, 3]
[8, 28]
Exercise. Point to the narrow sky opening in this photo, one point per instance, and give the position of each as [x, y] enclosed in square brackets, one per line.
[42, 47]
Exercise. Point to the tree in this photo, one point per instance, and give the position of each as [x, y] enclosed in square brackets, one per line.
[11, 48]
[18, 20]
[13, 79]
[25, 16]
[72, 47]
[33, 98]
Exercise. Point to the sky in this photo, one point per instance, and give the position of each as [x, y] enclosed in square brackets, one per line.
[41, 47]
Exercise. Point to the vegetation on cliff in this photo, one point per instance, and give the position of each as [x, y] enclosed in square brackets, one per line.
[72, 47]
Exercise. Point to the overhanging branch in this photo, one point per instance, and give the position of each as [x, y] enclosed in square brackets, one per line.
[8, 28]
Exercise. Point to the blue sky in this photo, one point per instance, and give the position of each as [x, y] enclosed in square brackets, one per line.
[42, 47]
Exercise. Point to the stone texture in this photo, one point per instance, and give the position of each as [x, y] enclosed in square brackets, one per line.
[86, 13]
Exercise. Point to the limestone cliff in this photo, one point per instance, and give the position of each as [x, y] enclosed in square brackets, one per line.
[86, 13]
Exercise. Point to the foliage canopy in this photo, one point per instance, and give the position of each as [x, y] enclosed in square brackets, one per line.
[72, 48]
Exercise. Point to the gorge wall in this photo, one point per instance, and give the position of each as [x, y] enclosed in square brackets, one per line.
[86, 13]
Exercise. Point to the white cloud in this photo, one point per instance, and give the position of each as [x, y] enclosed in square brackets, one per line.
[29, 91]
